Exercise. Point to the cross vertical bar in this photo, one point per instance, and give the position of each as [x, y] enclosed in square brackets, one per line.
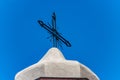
[54, 29]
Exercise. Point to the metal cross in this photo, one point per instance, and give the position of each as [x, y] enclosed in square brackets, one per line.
[52, 30]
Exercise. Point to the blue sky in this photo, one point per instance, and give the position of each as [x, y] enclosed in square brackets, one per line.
[92, 27]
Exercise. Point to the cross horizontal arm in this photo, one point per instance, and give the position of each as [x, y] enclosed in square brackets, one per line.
[57, 35]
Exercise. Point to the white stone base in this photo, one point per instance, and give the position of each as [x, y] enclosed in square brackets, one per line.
[53, 64]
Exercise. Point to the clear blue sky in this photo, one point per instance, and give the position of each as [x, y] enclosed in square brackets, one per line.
[92, 27]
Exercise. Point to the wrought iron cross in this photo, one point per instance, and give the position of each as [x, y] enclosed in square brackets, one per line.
[52, 30]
